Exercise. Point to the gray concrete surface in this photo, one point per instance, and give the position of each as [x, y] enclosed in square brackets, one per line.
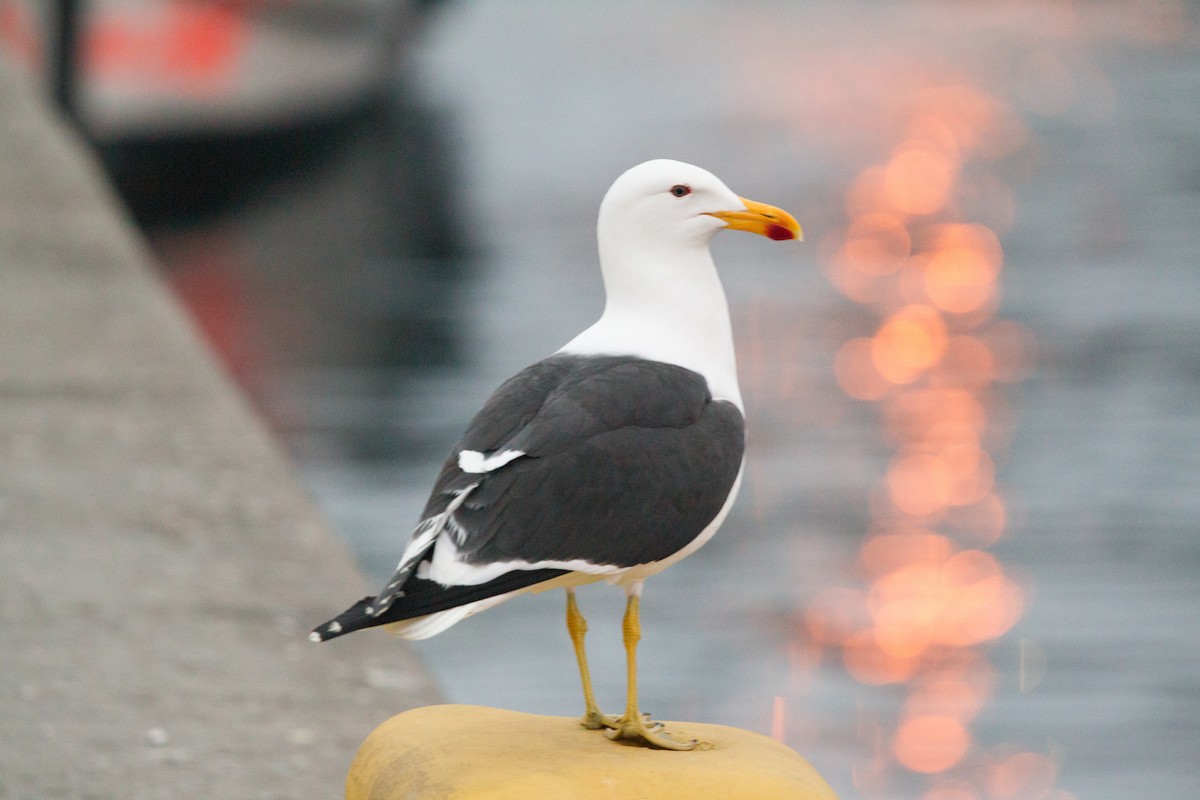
[159, 566]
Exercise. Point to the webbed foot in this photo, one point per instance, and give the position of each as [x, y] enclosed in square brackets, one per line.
[641, 730]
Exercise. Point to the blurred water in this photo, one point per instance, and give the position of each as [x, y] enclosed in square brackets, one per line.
[371, 299]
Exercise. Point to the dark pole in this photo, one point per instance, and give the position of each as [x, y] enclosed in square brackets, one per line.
[64, 57]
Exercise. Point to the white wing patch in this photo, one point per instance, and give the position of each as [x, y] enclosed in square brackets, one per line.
[448, 568]
[476, 462]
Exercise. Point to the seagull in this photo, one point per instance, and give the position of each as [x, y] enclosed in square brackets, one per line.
[611, 459]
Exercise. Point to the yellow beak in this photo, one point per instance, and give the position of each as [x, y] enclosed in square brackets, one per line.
[760, 218]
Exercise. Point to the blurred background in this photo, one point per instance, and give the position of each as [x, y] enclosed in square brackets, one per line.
[965, 563]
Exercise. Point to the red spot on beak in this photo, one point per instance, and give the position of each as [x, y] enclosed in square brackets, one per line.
[779, 233]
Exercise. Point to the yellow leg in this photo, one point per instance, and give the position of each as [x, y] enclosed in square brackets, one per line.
[633, 724]
[577, 626]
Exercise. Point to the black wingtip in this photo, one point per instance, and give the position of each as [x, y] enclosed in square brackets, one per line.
[423, 597]
[352, 619]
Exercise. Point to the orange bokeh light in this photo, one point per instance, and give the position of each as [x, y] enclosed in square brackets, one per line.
[908, 606]
[957, 285]
[911, 254]
[971, 472]
[960, 273]
[855, 371]
[867, 662]
[982, 522]
[920, 483]
[918, 178]
[886, 553]
[932, 130]
[968, 362]
[956, 601]
[951, 692]
[986, 602]
[876, 244]
[911, 415]
[931, 743]
[836, 614]
[981, 124]
[911, 341]
[868, 194]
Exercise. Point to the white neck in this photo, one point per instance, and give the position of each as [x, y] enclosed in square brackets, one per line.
[665, 304]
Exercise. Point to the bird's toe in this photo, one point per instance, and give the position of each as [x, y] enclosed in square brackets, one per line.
[640, 729]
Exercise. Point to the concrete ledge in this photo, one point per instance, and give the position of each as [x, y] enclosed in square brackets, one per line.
[474, 753]
[159, 565]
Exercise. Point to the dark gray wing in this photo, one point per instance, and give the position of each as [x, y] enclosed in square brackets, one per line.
[625, 462]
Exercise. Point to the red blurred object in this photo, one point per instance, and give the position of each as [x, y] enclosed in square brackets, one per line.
[152, 67]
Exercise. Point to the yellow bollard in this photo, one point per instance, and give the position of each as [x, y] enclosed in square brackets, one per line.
[453, 752]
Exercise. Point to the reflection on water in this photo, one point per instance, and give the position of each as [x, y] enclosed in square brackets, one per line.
[964, 564]
[930, 276]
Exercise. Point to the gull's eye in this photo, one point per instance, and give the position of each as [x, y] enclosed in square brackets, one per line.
[679, 190]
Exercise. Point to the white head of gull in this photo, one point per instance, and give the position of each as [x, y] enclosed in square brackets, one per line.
[663, 298]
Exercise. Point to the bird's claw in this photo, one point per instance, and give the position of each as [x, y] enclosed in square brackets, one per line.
[641, 730]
